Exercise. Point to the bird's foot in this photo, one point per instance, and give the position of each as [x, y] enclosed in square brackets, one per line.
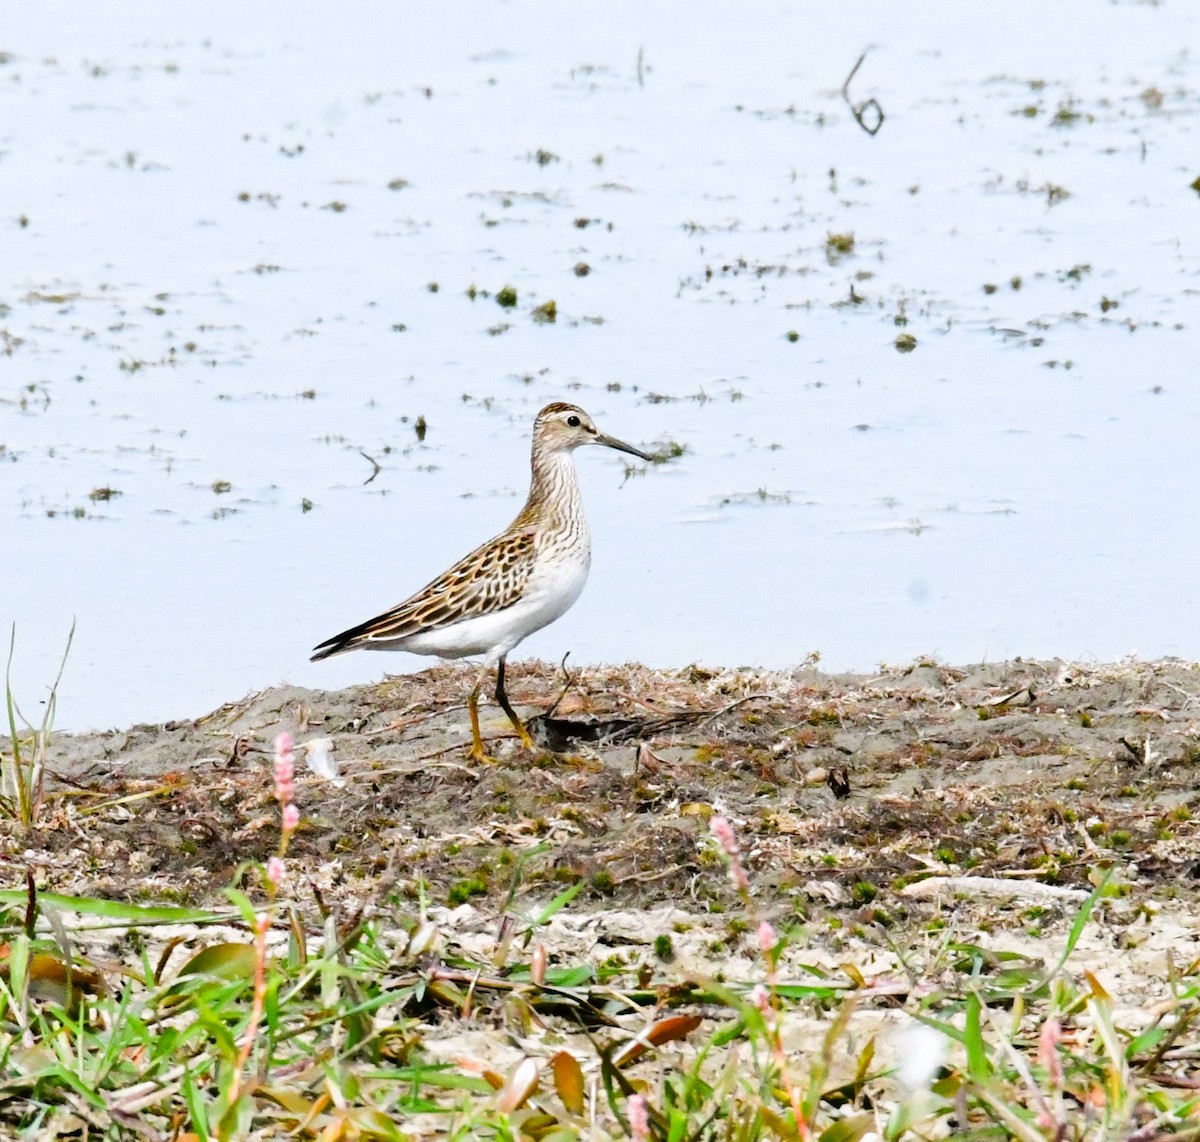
[478, 753]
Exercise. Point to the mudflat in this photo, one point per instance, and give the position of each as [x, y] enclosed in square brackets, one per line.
[1006, 853]
[846, 791]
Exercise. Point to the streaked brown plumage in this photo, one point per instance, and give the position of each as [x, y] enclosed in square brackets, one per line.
[509, 587]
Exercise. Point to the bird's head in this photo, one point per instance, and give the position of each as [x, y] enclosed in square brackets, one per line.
[562, 427]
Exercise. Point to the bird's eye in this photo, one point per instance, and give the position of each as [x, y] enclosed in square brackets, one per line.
[572, 422]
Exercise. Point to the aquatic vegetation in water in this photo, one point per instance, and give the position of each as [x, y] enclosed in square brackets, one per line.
[837, 247]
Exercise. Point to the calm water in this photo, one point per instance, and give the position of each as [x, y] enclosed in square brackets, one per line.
[237, 251]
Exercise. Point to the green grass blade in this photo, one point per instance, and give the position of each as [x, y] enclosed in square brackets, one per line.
[118, 910]
[196, 1108]
[1081, 919]
[977, 1060]
[18, 783]
[557, 904]
[52, 703]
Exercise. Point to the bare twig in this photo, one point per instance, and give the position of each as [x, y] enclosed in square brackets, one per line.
[859, 110]
[992, 886]
[414, 770]
[711, 715]
[374, 464]
[1140, 752]
[568, 682]
[1177, 1082]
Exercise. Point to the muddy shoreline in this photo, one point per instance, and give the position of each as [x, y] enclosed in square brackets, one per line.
[855, 784]
[881, 818]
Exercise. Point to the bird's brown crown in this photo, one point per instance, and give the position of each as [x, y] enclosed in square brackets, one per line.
[558, 406]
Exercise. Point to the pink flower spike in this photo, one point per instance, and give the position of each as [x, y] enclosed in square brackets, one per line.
[291, 818]
[275, 869]
[285, 767]
[283, 748]
[723, 831]
[760, 998]
[639, 1118]
[1047, 1051]
[767, 938]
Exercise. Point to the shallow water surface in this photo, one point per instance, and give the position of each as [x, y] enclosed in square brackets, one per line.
[247, 248]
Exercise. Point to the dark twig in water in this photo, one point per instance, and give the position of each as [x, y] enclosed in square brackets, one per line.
[859, 110]
[374, 464]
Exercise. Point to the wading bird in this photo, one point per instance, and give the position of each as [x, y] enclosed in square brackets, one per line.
[515, 584]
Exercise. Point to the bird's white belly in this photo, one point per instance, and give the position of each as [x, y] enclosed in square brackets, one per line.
[553, 587]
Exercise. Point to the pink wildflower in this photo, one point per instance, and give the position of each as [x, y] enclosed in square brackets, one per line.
[639, 1118]
[738, 875]
[723, 831]
[285, 768]
[275, 869]
[1047, 1051]
[767, 938]
[291, 818]
[761, 998]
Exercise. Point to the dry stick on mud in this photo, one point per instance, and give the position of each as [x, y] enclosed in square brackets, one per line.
[992, 886]
[569, 678]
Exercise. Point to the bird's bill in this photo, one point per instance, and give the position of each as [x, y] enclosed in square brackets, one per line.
[621, 446]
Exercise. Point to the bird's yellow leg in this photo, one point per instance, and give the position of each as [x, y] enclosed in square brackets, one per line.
[505, 705]
[477, 753]
[477, 750]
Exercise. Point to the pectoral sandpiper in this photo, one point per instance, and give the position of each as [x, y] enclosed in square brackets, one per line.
[515, 584]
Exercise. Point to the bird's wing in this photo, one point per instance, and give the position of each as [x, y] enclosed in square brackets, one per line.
[491, 578]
